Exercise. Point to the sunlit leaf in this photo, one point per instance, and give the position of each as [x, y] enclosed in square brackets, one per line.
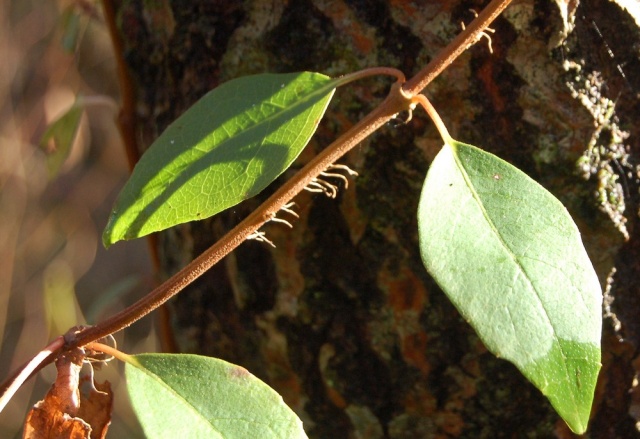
[508, 255]
[189, 396]
[59, 136]
[226, 148]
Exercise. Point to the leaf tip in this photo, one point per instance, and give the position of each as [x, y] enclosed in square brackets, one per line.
[106, 241]
[577, 421]
[108, 235]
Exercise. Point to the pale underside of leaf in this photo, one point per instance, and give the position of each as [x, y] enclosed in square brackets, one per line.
[226, 148]
[200, 397]
[510, 258]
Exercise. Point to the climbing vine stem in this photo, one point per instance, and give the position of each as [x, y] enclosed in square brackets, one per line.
[398, 100]
[402, 97]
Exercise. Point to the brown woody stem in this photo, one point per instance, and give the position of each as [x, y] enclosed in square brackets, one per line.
[454, 49]
[44, 357]
[398, 100]
[401, 97]
[395, 103]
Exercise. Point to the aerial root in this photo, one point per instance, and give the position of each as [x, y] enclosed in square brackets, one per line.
[261, 237]
[406, 120]
[287, 208]
[323, 187]
[281, 221]
[344, 168]
[482, 34]
[320, 185]
[100, 357]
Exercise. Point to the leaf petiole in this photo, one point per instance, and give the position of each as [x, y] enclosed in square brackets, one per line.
[433, 114]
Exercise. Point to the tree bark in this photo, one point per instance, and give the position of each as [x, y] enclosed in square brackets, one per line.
[341, 317]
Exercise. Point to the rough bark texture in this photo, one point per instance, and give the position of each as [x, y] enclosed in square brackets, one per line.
[341, 317]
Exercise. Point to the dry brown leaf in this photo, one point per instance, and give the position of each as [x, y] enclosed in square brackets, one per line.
[62, 413]
[95, 408]
[44, 422]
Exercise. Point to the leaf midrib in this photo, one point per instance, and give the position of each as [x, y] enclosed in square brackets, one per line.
[498, 235]
[191, 407]
[252, 127]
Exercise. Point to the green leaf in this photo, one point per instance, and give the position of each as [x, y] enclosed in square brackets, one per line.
[226, 148]
[189, 396]
[510, 258]
[58, 138]
[70, 21]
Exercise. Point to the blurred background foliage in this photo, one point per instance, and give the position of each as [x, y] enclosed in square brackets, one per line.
[54, 273]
